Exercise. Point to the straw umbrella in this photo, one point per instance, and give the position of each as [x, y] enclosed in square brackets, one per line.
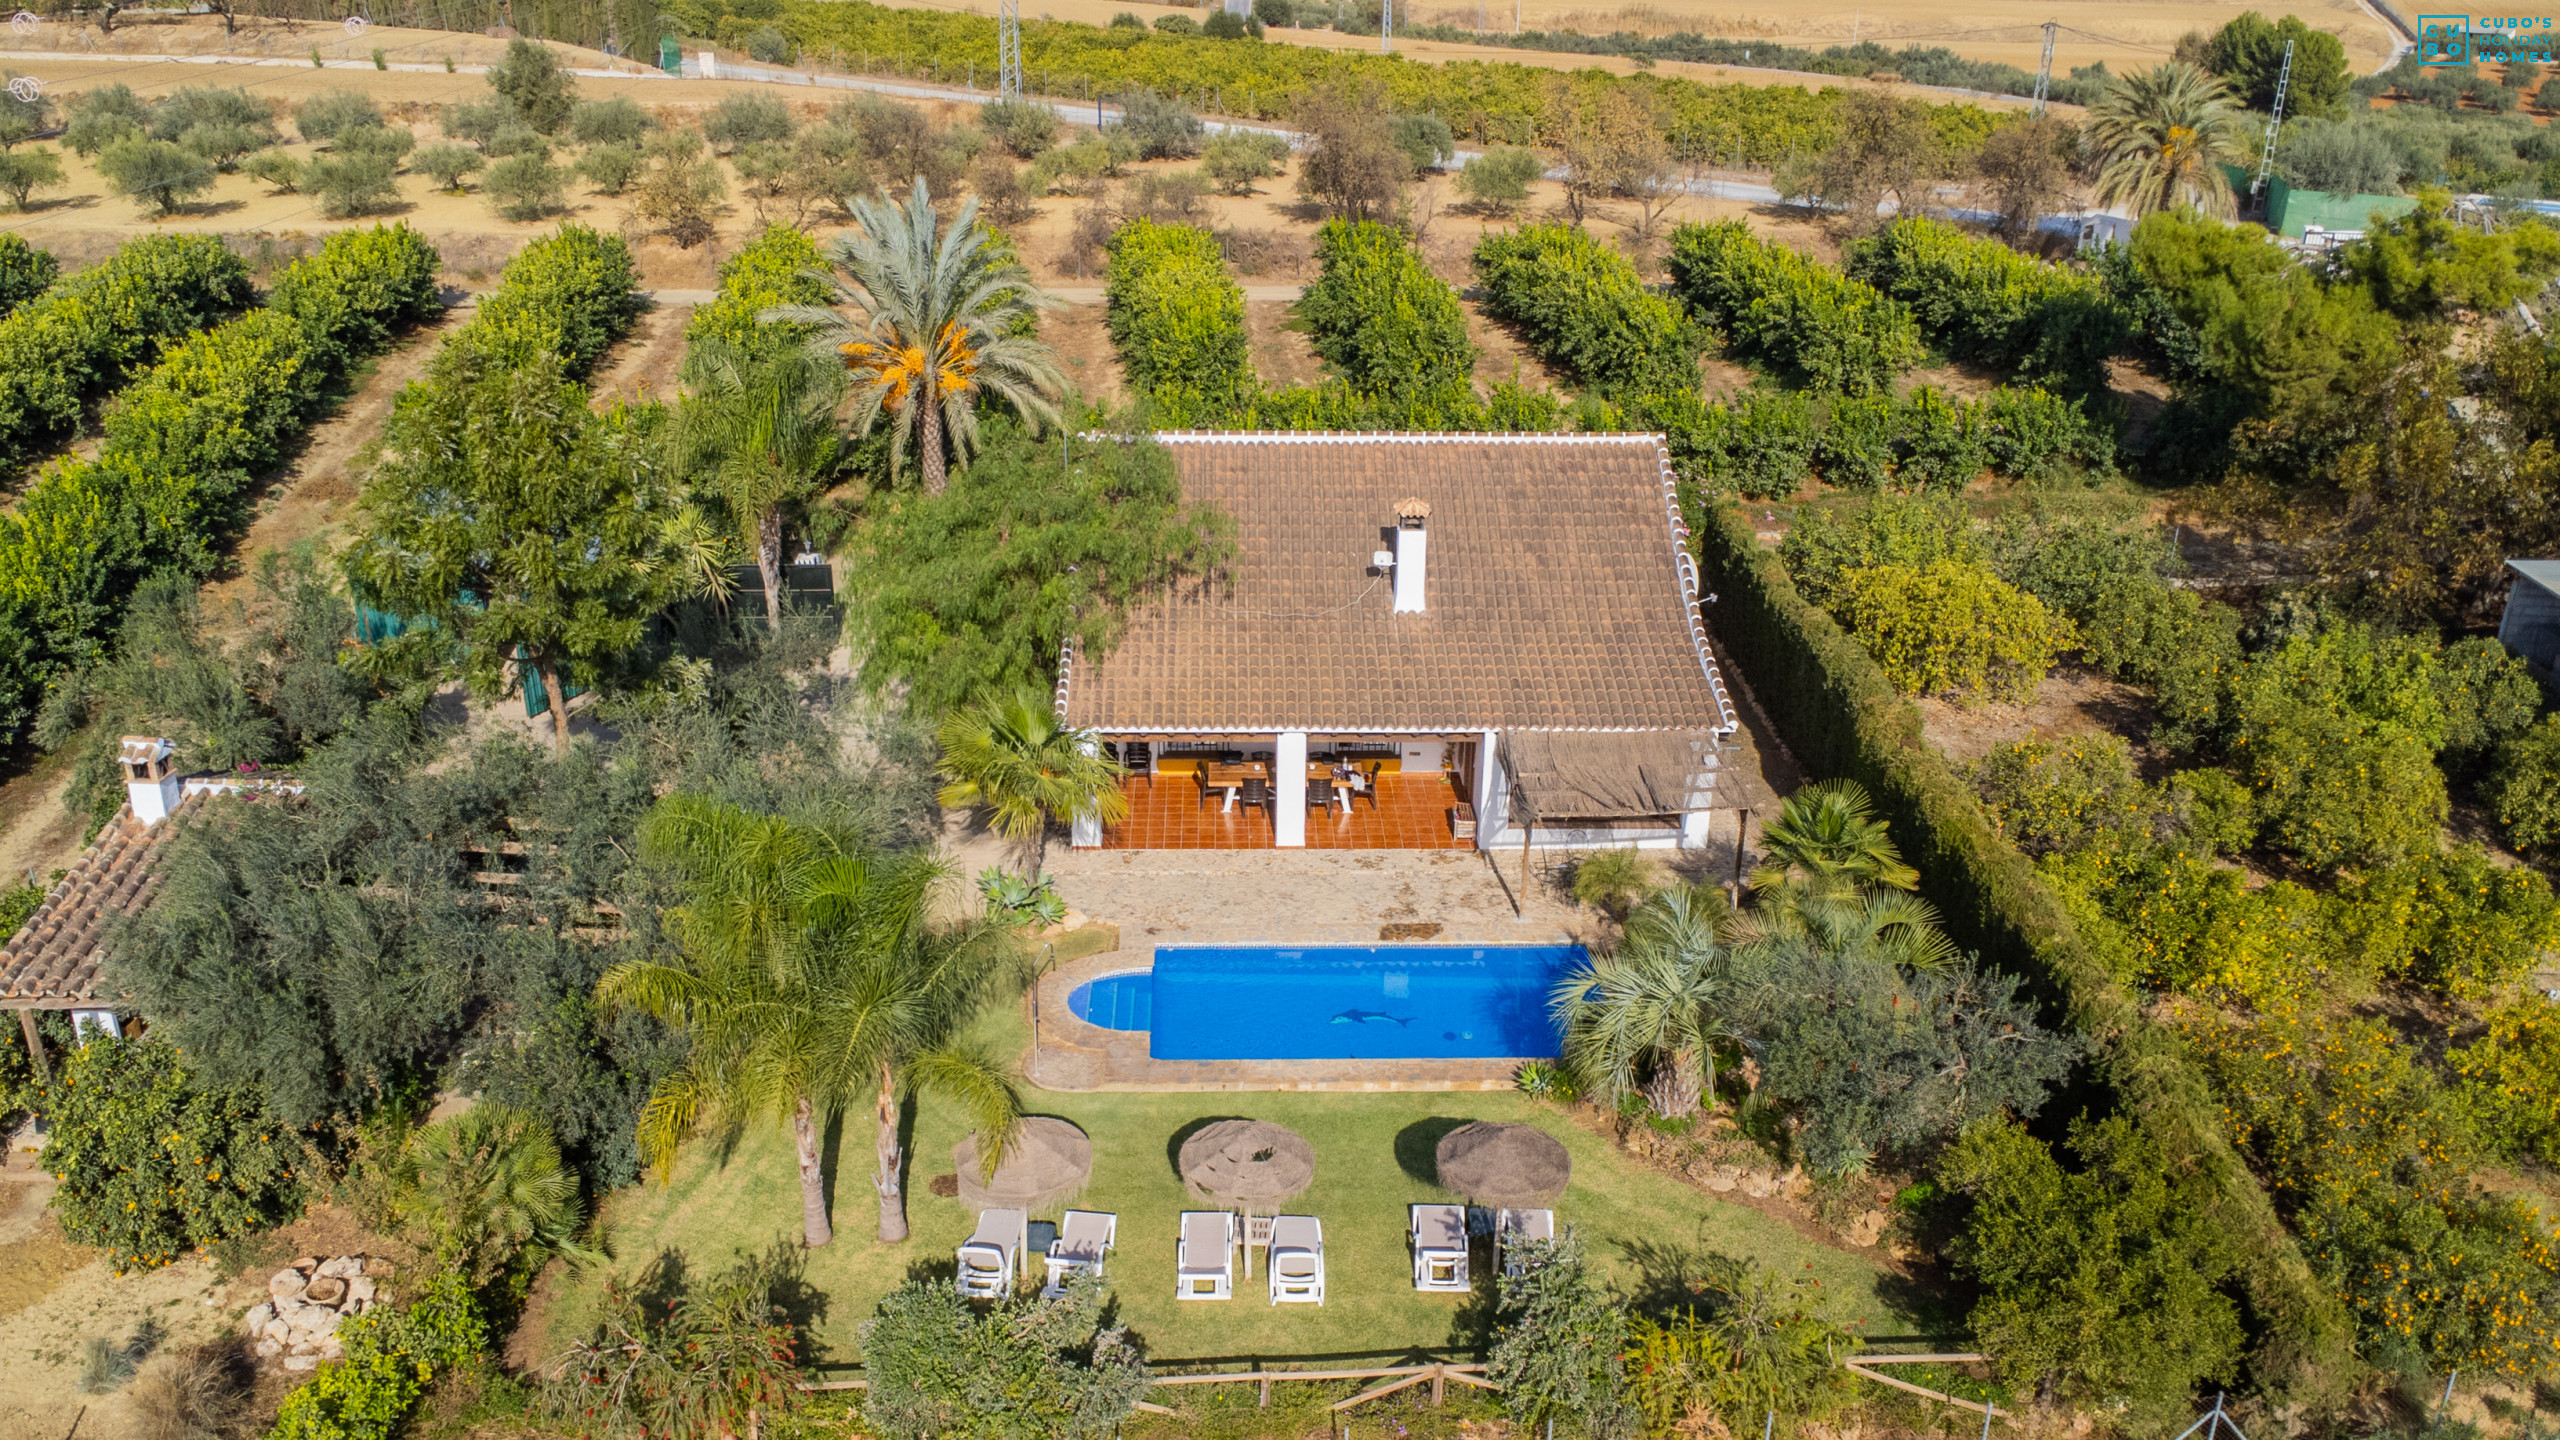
[1048, 1161]
[1504, 1167]
[1252, 1163]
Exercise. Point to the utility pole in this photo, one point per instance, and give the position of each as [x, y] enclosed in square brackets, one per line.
[1009, 50]
[2267, 157]
[2044, 68]
[1387, 28]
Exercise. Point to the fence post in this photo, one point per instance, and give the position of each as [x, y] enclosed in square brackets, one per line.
[1439, 1378]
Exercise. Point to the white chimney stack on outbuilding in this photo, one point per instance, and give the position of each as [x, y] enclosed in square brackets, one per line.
[1411, 542]
[150, 776]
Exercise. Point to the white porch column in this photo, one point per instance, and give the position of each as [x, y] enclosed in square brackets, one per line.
[1489, 790]
[1289, 791]
[1693, 829]
[1086, 832]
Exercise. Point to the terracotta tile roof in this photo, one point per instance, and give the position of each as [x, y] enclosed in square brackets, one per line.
[1559, 595]
[52, 962]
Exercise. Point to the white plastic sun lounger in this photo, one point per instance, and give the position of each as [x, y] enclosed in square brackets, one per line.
[991, 1260]
[1510, 1227]
[1297, 1260]
[1204, 1258]
[1439, 1237]
[1084, 1237]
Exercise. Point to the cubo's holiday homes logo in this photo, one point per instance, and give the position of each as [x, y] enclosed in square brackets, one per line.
[2492, 39]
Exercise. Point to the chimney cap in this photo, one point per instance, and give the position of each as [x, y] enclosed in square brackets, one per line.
[1411, 508]
[143, 749]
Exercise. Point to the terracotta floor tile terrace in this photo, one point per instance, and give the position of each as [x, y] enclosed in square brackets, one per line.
[1167, 813]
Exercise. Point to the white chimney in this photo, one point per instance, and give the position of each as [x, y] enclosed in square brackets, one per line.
[150, 776]
[1411, 541]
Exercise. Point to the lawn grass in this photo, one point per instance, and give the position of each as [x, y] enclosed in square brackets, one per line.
[1373, 1157]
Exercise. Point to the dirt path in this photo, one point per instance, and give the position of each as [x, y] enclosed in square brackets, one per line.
[1281, 355]
[643, 365]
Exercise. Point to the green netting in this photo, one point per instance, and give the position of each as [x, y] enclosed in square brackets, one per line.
[2289, 210]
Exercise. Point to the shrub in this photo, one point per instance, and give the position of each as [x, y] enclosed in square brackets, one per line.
[1855, 451]
[571, 293]
[1023, 127]
[611, 168]
[525, 188]
[447, 164]
[382, 142]
[23, 172]
[618, 121]
[2332, 792]
[1025, 1366]
[1942, 444]
[535, 85]
[747, 119]
[2466, 927]
[2511, 1079]
[1835, 334]
[2105, 1278]
[277, 170]
[1177, 25]
[155, 174]
[712, 1354]
[1221, 25]
[780, 267]
[390, 1359]
[1558, 1340]
[1614, 880]
[2049, 795]
[1162, 127]
[1979, 300]
[1283, 13]
[1583, 308]
[88, 333]
[325, 116]
[493, 1192]
[2524, 788]
[25, 272]
[1377, 314]
[2037, 435]
[1762, 446]
[1951, 628]
[1828, 545]
[771, 46]
[1752, 1345]
[1499, 179]
[1177, 319]
[351, 185]
[1425, 140]
[1237, 158]
[151, 1165]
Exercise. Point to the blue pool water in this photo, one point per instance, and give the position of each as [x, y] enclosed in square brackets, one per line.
[1345, 1002]
[1115, 1002]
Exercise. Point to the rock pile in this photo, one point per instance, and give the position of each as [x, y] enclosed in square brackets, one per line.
[297, 1324]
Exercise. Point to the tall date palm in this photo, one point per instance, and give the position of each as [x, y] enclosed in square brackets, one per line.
[812, 979]
[940, 316]
[2162, 136]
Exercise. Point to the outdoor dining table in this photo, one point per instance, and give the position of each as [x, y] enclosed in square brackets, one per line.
[1231, 778]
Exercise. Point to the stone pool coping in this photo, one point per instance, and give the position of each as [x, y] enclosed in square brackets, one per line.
[1070, 1055]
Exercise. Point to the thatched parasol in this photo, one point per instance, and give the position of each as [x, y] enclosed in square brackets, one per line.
[1048, 1161]
[1252, 1163]
[1504, 1166]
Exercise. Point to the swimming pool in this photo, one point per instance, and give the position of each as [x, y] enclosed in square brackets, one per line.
[1337, 1002]
[1115, 1002]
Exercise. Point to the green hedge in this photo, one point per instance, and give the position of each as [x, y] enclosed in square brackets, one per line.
[1334, 405]
[1583, 308]
[1178, 320]
[1840, 717]
[1378, 315]
[25, 272]
[183, 445]
[1764, 444]
[83, 337]
[571, 294]
[1483, 100]
[1834, 334]
[1979, 300]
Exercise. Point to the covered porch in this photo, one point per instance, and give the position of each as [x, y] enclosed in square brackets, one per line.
[1292, 790]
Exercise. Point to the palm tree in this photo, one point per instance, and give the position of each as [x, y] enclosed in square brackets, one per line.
[1890, 927]
[1015, 757]
[811, 980]
[1826, 840]
[2162, 136]
[490, 1183]
[943, 315]
[762, 430]
[1663, 999]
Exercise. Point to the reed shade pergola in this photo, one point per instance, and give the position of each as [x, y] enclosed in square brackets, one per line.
[1518, 1167]
[1048, 1161]
[1251, 1163]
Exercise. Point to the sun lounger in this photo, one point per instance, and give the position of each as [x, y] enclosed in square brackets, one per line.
[991, 1259]
[1510, 1227]
[1297, 1260]
[1204, 1259]
[1084, 1237]
[1439, 1237]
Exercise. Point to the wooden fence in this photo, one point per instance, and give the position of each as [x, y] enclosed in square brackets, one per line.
[1398, 1377]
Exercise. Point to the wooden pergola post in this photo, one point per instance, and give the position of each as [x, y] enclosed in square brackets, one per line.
[35, 1045]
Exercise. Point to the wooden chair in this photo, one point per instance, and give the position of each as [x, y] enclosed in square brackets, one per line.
[1256, 792]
